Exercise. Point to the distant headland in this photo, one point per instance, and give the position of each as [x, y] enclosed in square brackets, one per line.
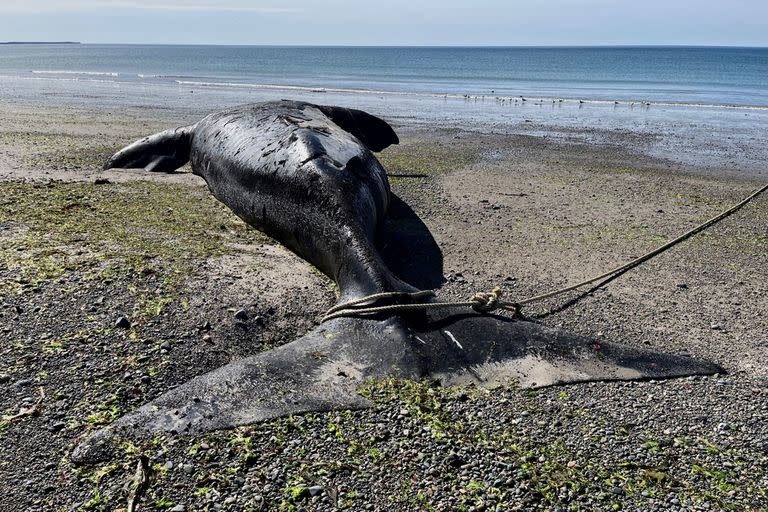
[40, 42]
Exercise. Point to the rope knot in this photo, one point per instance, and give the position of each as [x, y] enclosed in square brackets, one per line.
[485, 302]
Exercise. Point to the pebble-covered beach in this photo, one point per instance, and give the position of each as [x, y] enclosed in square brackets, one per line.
[116, 286]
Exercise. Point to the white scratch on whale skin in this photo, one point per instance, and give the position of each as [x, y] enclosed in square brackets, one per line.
[454, 339]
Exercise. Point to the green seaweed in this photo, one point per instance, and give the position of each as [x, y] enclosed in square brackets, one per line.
[105, 230]
[420, 158]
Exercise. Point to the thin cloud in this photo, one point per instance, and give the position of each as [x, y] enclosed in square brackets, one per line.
[206, 7]
[41, 7]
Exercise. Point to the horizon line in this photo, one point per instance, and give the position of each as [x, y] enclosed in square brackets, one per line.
[274, 45]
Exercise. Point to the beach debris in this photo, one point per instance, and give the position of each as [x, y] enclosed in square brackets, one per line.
[139, 483]
[27, 411]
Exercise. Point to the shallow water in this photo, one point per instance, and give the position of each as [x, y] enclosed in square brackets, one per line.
[684, 123]
[711, 76]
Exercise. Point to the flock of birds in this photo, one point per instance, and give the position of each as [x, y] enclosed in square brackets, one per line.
[521, 100]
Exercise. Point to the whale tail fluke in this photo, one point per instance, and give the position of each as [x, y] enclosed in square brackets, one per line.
[162, 152]
[325, 370]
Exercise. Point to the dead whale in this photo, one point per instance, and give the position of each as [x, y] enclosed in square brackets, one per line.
[305, 175]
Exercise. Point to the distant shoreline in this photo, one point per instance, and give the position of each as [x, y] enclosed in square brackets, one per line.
[40, 42]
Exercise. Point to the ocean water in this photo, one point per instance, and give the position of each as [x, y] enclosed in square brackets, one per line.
[700, 107]
[662, 75]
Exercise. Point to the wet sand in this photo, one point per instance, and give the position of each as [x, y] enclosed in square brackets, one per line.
[529, 206]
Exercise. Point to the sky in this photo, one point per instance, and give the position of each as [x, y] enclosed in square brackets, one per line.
[389, 22]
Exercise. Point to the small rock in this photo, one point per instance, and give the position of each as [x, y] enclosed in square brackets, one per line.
[206, 326]
[241, 314]
[454, 460]
[682, 286]
[4, 378]
[58, 426]
[168, 465]
[166, 345]
[123, 323]
[315, 490]
[716, 327]
[178, 508]
[23, 383]
[188, 468]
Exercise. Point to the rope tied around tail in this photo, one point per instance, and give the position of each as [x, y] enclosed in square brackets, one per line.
[487, 302]
[482, 302]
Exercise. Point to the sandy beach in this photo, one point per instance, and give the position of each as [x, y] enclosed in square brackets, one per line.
[529, 201]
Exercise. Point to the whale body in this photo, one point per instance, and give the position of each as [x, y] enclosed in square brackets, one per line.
[306, 175]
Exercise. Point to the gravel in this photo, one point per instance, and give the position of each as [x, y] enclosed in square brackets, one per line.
[687, 444]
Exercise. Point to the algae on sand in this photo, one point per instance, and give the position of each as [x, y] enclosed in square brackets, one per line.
[49, 229]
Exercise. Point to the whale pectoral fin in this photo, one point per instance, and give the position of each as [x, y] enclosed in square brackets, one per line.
[375, 133]
[491, 350]
[162, 152]
[301, 376]
[164, 163]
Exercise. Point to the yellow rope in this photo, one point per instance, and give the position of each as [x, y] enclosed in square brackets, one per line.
[482, 302]
[486, 302]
